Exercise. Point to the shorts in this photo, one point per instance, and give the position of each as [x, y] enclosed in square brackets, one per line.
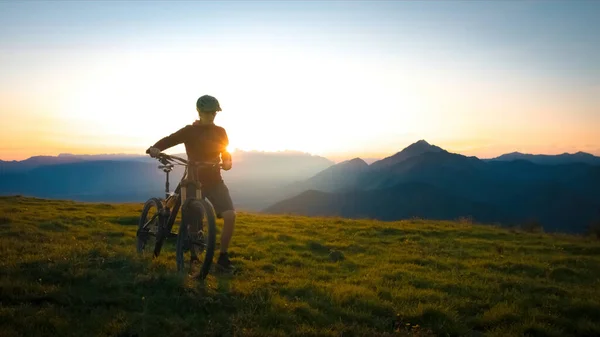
[218, 195]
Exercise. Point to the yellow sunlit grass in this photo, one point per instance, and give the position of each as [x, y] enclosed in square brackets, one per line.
[65, 261]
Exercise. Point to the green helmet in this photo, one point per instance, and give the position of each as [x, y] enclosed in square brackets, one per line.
[208, 103]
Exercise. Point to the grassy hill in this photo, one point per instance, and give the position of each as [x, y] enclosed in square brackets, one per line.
[70, 269]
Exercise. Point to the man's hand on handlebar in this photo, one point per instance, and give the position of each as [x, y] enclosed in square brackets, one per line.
[153, 152]
[156, 153]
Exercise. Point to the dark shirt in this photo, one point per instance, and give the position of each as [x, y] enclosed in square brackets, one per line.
[203, 143]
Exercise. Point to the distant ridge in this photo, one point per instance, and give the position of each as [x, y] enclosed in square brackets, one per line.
[255, 181]
[545, 159]
[338, 176]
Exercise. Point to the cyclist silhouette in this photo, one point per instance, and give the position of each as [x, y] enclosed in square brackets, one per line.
[206, 142]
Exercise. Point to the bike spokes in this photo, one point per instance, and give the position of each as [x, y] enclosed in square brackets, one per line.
[148, 233]
[150, 225]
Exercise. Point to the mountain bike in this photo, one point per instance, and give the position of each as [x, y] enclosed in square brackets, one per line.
[197, 230]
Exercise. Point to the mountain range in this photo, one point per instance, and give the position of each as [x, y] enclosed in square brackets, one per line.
[544, 159]
[426, 181]
[31, 163]
[560, 192]
[255, 181]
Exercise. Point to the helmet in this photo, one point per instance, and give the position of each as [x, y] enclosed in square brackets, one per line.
[208, 103]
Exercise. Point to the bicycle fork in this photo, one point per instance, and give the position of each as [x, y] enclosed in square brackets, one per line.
[192, 235]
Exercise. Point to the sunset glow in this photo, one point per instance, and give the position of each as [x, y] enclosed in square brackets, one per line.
[335, 79]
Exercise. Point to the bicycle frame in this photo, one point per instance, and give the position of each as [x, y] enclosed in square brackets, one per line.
[165, 228]
[196, 186]
[197, 231]
[172, 214]
[178, 198]
[195, 192]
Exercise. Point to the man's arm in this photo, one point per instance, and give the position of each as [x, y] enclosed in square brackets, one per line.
[172, 139]
[225, 155]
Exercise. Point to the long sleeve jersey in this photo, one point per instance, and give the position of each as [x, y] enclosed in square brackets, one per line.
[203, 143]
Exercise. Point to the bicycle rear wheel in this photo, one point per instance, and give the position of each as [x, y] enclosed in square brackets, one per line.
[149, 228]
[197, 234]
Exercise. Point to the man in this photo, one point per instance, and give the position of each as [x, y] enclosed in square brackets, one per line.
[206, 142]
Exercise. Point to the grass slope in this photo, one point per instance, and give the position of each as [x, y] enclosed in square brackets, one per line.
[70, 269]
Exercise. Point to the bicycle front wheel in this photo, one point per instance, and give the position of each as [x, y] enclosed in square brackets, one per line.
[197, 234]
[148, 233]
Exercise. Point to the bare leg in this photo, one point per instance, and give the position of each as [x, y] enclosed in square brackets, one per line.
[227, 233]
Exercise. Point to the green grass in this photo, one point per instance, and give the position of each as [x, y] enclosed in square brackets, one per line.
[71, 269]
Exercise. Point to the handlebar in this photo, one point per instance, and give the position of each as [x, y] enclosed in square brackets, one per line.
[165, 159]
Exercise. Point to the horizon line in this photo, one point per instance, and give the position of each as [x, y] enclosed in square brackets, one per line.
[337, 158]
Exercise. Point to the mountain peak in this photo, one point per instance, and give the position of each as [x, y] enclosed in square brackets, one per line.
[420, 147]
[338, 176]
[356, 161]
[413, 150]
[352, 164]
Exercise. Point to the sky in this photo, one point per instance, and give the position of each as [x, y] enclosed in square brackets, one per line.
[331, 78]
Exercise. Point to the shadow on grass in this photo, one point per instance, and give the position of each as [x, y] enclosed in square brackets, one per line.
[317, 247]
[4, 220]
[54, 226]
[126, 220]
[89, 290]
